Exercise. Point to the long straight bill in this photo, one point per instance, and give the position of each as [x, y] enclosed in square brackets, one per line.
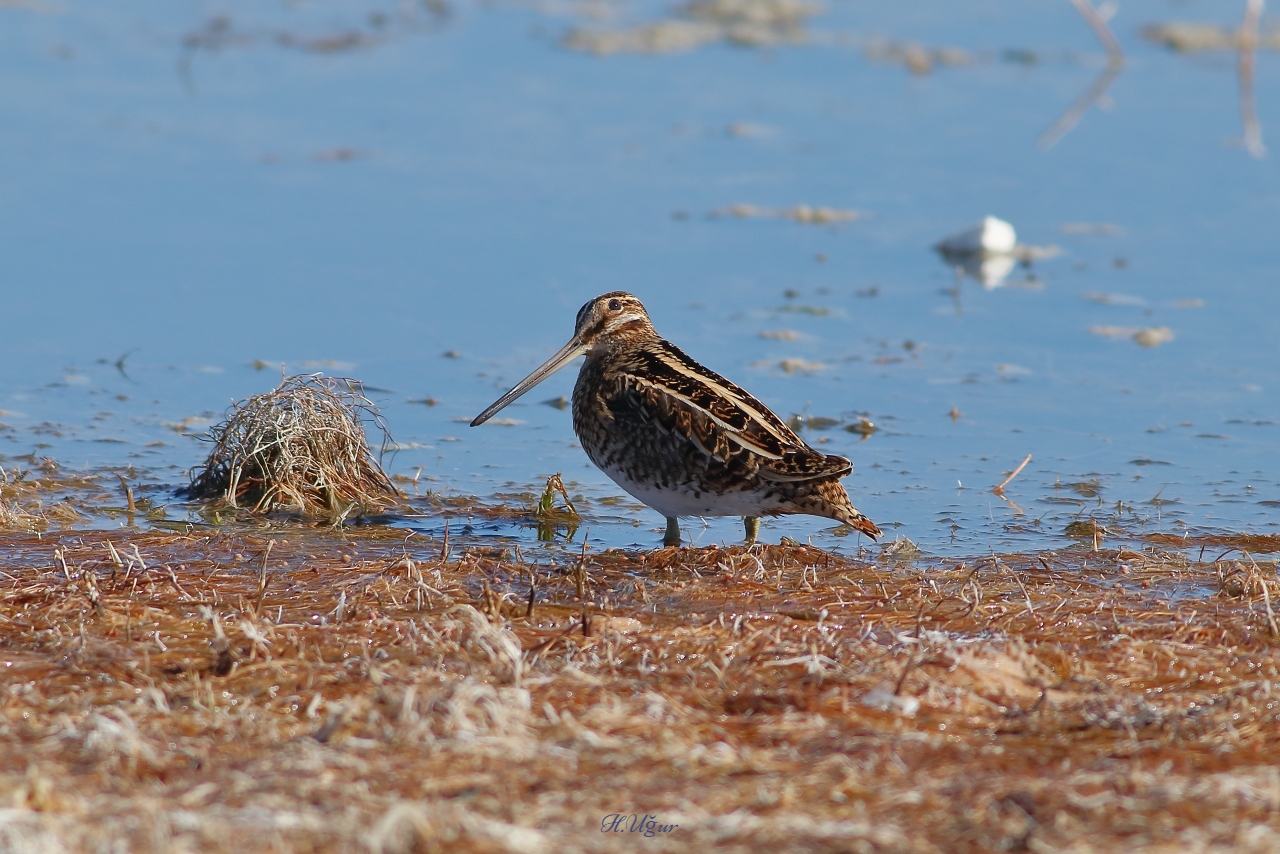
[567, 354]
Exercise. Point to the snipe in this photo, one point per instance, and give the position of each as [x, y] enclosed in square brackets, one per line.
[681, 438]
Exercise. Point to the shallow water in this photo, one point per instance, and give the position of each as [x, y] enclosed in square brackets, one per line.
[198, 193]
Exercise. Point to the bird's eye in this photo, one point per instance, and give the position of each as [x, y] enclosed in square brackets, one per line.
[615, 305]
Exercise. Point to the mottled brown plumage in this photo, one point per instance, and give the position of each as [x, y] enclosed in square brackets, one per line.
[681, 438]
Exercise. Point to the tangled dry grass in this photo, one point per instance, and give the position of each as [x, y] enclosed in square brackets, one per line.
[35, 498]
[304, 690]
[300, 448]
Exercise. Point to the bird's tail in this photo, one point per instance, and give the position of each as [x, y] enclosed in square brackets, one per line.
[839, 507]
[856, 520]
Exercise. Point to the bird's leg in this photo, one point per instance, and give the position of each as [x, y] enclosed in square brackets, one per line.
[672, 537]
[752, 524]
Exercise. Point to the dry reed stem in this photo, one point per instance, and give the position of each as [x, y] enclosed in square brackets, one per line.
[1099, 87]
[375, 698]
[300, 448]
[999, 488]
[1248, 103]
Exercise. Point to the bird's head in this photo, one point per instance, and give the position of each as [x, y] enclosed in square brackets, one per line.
[605, 320]
[610, 316]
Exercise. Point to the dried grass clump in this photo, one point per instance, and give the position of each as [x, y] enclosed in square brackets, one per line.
[300, 448]
[26, 503]
[14, 518]
[308, 689]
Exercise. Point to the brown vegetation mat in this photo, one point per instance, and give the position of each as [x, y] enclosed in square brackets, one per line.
[351, 691]
[299, 448]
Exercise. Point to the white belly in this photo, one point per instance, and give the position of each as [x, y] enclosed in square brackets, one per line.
[685, 501]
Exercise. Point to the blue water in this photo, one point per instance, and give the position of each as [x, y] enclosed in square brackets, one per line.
[457, 181]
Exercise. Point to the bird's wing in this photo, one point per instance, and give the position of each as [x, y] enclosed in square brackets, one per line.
[718, 416]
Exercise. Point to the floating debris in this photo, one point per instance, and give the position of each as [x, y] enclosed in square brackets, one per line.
[862, 427]
[561, 403]
[1112, 299]
[915, 57]
[902, 549]
[814, 310]
[337, 155]
[811, 422]
[300, 448]
[800, 366]
[1020, 56]
[23, 504]
[806, 214]
[501, 422]
[748, 23]
[780, 334]
[1152, 336]
[663, 37]
[1089, 228]
[1084, 529]
[185, 425]
[406, 446]
[1196, 38]
[335, 43]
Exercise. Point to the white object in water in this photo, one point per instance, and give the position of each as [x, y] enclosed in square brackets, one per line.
[991, 236]
[989, 269]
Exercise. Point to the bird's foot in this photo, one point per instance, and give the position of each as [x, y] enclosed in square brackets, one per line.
[672, 537]
[752, 525]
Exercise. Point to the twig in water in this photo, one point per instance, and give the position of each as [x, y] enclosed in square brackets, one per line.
[1248, 106]
[1098, 24]
[1000, 488]
[1115, 63]
[263, 578]
[128, 494]
[1017, 511]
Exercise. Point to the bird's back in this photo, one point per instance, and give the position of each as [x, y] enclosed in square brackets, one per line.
[653, 415]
